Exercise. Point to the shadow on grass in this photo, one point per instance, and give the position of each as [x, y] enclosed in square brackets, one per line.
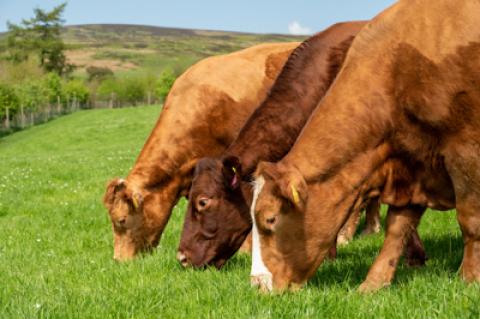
[351, 267]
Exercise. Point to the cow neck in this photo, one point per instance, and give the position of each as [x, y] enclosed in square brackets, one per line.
[335, 199]
[159, 157]
[273, 128]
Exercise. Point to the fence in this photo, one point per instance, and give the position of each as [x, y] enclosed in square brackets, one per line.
[27, 117]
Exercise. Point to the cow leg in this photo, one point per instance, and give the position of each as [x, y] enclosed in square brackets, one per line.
[415, 255]
[464, 170]
[246, 247]
[401, 222]
[349, 228]
[372, 217]
[469, 219]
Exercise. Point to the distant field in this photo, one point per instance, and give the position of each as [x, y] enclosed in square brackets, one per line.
[147, 49]
[140, 50]
[56, 244]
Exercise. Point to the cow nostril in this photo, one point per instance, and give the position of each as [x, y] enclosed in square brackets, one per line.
[271, 220]
[122, 221]
[182, 259]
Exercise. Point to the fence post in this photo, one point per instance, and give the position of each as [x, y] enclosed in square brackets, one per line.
[74, 103]
[59, 106]
[22, 117]
[7, 118]
[149, 97]
[112, 98]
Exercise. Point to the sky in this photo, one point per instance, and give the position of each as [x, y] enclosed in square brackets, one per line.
[257, 16]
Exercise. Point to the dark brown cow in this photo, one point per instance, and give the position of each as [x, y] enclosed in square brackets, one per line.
[402, 121]
[218, 218]
[203, 113]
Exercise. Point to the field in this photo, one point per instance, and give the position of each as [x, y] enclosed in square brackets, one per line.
[139, 50]
[56, 244]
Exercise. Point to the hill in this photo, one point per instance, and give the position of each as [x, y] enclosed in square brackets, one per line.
[150, 49]
[139, 48]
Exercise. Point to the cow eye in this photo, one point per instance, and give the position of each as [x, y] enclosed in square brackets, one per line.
[203, 203]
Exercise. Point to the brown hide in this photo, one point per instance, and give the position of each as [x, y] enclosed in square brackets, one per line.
[214, 232]
[407, 93]
[202, 115]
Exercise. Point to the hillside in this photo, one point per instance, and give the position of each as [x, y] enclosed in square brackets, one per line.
[150, 49]
[138, 48]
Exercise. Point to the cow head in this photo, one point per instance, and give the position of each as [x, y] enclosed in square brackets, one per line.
[125, 207]
[280, 198]
[217, 220]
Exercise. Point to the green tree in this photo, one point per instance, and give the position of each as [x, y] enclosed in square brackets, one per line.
[42, 35]
[32, 95]
[8, 100]
[76, 89]
[53, 85]
[164, 84]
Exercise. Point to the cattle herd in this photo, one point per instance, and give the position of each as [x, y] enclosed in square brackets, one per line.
[281, 146]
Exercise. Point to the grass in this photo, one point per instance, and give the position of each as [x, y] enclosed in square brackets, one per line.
[56, 244]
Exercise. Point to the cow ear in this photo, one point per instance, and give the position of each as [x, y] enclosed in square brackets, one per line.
[295, 190]
[113, 188]
[137, 201]
[232, 171]
[289, 181]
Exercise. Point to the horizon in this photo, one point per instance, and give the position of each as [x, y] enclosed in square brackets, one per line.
[302, 18]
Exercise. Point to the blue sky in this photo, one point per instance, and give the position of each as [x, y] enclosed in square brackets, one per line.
[259, 16]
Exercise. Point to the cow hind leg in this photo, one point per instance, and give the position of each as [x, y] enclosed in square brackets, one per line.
[349, 228]
[401, 222]
[372, 218]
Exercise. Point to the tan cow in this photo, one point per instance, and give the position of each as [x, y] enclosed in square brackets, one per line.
[203, 113]
[401, 121]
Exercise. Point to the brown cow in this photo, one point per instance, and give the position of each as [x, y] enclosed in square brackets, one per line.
[203, 113]
[404, 110]
[218, 219]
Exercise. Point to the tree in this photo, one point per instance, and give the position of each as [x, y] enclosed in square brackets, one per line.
[8, 103]
[42, 35]
[164, 84]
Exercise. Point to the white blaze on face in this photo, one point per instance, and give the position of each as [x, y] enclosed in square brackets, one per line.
[260, 275]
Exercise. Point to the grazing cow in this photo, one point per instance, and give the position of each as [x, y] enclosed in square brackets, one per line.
[218, 219]
[401, 121]
[203, 113]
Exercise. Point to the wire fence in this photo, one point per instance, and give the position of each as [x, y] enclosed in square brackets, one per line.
[27, 117]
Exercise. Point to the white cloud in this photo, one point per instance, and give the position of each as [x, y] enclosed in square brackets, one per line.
[296, 28]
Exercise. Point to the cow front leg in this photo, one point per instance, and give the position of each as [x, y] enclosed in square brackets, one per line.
[469, 219]
[401, 222]
[246, 247]
[415, 255]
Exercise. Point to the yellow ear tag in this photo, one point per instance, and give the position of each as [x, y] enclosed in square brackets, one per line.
[234, 169]
[296, 197]
[135, 202]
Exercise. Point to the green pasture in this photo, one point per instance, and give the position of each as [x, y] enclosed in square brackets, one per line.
[56, 244]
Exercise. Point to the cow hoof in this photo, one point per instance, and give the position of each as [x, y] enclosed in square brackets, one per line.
[369, 287]
[262, 281]
[470, 276]
[371, 230]
[342, 240]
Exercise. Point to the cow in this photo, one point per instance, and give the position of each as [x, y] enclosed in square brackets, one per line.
[401, 121]
[218, 219]
[202, 115]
